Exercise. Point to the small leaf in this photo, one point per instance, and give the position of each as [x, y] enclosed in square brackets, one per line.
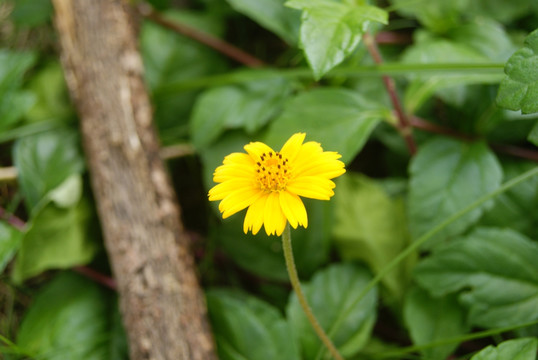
[330, 30]
[519, 89]
[72, 318]
[369, 226]
[341, 120]
[273, 15]
[46, 160]
[517, 349]
[57, 238]
[446, 176]
[497, 271]
[248, 328]
[248, 106]
[10, 240]
[434, 319]
[332, 294]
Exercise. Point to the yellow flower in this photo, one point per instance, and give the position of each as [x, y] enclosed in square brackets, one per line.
[270, 182]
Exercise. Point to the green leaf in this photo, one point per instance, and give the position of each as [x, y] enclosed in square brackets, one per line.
[497, 271]
[434, 319]
[72, 318]
[44, 161]
[517, 349]
[370, 226]
[341, 120]
[246, 328]
[445, 176]
[10, 240]
[57, 238]
[533, 135]
[332, 293]
[14, 102]
[331, 30]
[437, 15]
[519, 89]
[272, 15]
[249, 106]
[31, 12]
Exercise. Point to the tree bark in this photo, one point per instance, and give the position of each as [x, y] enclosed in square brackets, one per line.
[162, 304]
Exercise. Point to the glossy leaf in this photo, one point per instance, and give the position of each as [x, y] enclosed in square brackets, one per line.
[57, 238]
[248, 106]
[517, 349]
[46, 160]
[519, 90]
[246, 328]
[445, 177]
[496, 270]
[370, 226]
[72, 318]
[332, 294]
[341, 120]
[10, 240]
[273, 15]
[331, 30]
[434, 319]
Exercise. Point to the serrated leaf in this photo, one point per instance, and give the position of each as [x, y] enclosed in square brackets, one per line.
[248, 328]
[370, 227]
[340, 119]
[273, 15]
[517, 349]
[72, 318]
[519, 89]
[445, 176]
[44, 161]
[248, 106]
[331, 30]
[57, 238]
[496, 270]
[10, 240]
[332, 294]
[434, 319]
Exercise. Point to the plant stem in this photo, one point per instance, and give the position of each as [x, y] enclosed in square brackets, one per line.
[295, 283]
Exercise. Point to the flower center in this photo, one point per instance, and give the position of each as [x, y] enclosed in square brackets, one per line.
[273, 171]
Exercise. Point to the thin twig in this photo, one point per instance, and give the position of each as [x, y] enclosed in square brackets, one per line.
[393, 38]
[8, 174]
[403, 122]
[12, 220]
[213, 42]
[176, 151]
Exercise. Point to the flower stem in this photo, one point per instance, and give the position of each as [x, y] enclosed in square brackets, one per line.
[295, 283]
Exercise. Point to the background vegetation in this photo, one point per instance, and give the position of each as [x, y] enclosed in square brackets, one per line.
[433, 106]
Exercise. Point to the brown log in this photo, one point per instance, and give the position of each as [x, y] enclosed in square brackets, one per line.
[161, 301]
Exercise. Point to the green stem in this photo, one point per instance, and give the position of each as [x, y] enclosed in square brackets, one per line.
[295, 283]
[416, 244]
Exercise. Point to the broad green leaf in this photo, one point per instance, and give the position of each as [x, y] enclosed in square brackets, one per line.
[517, 349]
[501, 10]
[437, 15]
[332, 293]
[72, 318]
[496, 270]
[13, 101]
[31, 12]
[331, 30]
[46, 160]
[10, 240]
[341, 120]
[272, 15]
[172, 58]
[516, 208]
[431, 319]
[519, 90]
[246, 328]
[249, 106]
[57, 238]
[370, 226]
[446, 176]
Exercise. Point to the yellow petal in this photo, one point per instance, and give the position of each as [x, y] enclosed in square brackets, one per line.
[238, 200]
[274, 219]
[220, 191]
[325, 166]
[239, 158]
[292, 146]
[293, 208]
[311, 187]
[254, 217]
[256, 149]
[233, 171]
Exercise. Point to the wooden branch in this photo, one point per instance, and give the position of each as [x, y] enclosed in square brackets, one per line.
[162, 304]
